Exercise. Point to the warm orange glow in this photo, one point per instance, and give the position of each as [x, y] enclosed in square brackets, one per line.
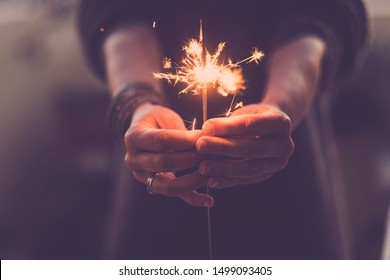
[167, 63]
[198, 71]
[234, 107]
[256, 56]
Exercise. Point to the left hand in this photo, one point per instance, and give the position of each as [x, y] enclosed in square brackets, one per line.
[157, 142]
[249, 146]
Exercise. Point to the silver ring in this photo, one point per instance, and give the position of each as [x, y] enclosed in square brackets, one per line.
[149, 184]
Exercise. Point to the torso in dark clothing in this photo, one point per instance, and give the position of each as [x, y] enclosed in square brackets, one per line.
[282, 218]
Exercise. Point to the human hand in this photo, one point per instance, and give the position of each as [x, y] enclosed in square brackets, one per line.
[157, 142]
[251, 145]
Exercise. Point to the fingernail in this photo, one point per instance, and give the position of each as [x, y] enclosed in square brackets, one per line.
[213, 183]
[208, 129]
[205, 169]
[207, 204]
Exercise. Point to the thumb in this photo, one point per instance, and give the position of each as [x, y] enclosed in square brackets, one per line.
[168, 119]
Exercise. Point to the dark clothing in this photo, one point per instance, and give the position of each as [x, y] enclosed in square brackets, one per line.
[341, 23]
[286, 217]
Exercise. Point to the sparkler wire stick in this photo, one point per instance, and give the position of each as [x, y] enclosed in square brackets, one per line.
[202, 40]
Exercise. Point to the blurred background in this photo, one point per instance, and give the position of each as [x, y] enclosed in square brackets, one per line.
[55, 152]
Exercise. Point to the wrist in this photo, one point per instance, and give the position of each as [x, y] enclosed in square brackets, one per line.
[130, 98]
[131, 53]
[141, 110]
[283, 106]
[294, 73]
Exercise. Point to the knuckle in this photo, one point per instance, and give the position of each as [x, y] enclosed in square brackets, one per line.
[279, 164]
[160, 139]
[284, 121]
[129, 162]
[267, 166]
[250, 122]
[158, 163]
[131, 136]
[287, 148]
[265, 177]
[195, 158]
[133, 161]
[137, 176]
[284, 150]
[254, 170]
[284, 163]
[220, 148]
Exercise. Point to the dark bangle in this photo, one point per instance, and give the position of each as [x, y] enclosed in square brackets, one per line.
[125, 101]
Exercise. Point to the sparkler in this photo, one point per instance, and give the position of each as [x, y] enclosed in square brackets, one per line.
[198, 75]
[200, 70]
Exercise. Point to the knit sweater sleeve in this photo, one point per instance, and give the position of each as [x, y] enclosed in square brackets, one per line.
[97, 19]
[342, 24]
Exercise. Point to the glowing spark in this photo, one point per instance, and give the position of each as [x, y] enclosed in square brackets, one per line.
[256, 56]
[154, 24]
[101, 29]
[199, 71]
[239, 105]
[233, 106]
[167, 63]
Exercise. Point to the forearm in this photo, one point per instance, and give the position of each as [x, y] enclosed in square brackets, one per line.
[294, 74]
[132, 54]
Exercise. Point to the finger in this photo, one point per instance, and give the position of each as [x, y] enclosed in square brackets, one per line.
[163, 162]
[242, 169]
[183, 187]
[169, 185]
[223, 183]
[160, 140]
[197, 199]
[176, 186]
[245, 148]
[270, 123]
[143, 176]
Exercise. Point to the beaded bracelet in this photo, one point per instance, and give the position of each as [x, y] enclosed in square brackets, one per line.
[126, 100]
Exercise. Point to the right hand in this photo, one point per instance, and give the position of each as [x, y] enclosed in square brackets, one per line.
[158, 142]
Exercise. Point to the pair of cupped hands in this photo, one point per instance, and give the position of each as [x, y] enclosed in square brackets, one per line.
[247, 147]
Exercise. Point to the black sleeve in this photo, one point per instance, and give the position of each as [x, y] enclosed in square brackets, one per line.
[98, 18]
[342, 24]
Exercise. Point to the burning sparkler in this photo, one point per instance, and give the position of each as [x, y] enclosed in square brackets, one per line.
[200, 69]
[196, 74]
